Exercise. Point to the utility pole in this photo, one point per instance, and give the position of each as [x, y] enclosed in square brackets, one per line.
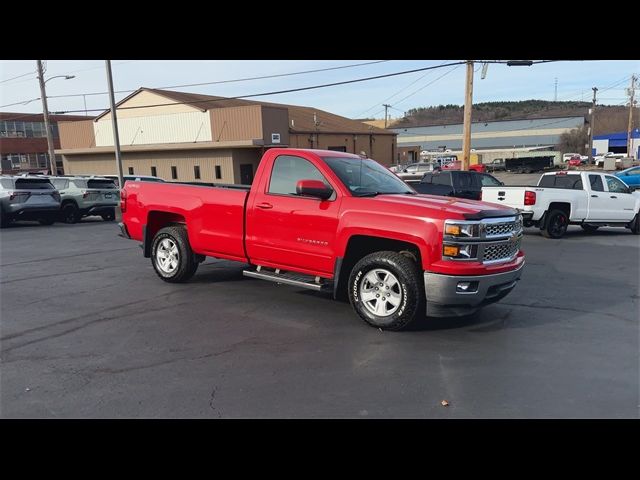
[114, 123]
[468, 105]
[386, 107]
[555, 95]
[592, 111]
[632, 92]
[47, 126]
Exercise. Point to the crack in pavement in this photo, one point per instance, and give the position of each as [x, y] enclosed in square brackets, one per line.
[577, 310]
[57, 257]
[97, 269]
[80, 317]
[79, 327]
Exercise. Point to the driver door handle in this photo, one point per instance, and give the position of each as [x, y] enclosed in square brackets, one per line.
[594, 196]
[264, 205]
[613, 196]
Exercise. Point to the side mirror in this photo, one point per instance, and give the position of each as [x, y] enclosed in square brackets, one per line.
[314, 188]
[405, 171]
[502, 184]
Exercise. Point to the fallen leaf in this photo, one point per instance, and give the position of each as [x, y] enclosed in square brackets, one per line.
[444, 403]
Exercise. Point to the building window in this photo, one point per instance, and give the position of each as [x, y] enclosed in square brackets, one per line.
[341, 148]
[218, 172]
[154, 172]
[130, 170]
[196, 172]
[174, 173]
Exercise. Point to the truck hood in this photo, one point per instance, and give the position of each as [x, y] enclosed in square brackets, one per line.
[467, 209]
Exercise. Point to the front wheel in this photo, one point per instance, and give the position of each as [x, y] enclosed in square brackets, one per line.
[171, 255]
[556, 224]
[386, 290]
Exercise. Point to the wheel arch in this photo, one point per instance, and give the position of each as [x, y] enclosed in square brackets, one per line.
[359, 246]
[157, 220]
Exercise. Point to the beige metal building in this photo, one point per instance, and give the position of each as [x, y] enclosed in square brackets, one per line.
[192, 137]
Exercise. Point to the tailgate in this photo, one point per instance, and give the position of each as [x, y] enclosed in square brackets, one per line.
[508, 196]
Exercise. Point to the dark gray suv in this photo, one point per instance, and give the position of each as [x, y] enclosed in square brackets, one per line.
[28, 198]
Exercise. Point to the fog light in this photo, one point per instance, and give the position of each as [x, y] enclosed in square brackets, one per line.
[451, 251]
[467, 287]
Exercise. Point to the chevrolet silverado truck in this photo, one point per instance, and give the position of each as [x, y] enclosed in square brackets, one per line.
[589, 199]
[333, 221]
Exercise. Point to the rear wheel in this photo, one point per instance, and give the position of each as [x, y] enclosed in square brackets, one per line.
[556, 224]
[635, 225]
[70, 213]
[109, 217]
[171, 255]
[386, 290]
[589, 228]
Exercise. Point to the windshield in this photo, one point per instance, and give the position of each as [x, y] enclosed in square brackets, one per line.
[366, 177]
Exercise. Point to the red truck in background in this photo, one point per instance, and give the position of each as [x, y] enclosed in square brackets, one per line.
[334, 221]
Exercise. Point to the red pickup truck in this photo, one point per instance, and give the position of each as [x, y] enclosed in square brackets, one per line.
[334, 221]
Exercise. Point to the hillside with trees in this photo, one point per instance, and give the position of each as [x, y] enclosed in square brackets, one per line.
[609, 118]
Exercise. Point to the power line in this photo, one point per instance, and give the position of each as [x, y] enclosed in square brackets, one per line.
[278, 92]
[428, 84]
[245, 79]
[398, 92]
[19, 76]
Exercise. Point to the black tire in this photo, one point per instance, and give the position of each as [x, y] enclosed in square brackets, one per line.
[555, 225]
[186, 260]
[409, 289]
[589, 228]
[109, 217]
[46, 221]
[635, 225]
[70, 213]
[5, 220]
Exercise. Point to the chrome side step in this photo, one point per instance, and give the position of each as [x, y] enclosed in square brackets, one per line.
[288, 278]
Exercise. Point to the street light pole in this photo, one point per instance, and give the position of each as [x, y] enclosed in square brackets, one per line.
[45, 111]
[114, 123]
[468, 105]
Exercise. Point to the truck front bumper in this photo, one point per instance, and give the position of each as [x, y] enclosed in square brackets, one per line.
[446, 296]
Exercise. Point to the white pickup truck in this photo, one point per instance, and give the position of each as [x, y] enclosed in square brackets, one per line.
[588, 199]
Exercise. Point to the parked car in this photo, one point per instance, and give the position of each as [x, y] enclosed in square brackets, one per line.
[28, 198]
[568, 156]
[457, 165]
[415, 171]
[495, 166]
[575, 161]
[136, 178]
[455, 183]
[85, 196]
[589, 199]
[333, 221]
[630, 176]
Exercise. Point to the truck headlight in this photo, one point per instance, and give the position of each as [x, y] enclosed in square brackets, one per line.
[461, 229]
[459, 251]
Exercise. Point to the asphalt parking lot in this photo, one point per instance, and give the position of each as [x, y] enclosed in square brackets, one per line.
[89, 331]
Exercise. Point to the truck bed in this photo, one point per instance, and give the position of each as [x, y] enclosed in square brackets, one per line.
[213, 213]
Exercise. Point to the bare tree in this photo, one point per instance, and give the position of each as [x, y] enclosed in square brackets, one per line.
[574, 141]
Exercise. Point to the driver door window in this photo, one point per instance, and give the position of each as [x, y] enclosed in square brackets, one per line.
[616, 186]
[288, 170]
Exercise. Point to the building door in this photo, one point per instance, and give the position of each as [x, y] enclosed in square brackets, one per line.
[246, 173]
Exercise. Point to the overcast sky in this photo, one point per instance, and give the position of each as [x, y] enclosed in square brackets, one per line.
[364, 99]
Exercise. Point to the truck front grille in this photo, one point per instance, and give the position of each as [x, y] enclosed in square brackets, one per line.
[500, 251]
[492, 229]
